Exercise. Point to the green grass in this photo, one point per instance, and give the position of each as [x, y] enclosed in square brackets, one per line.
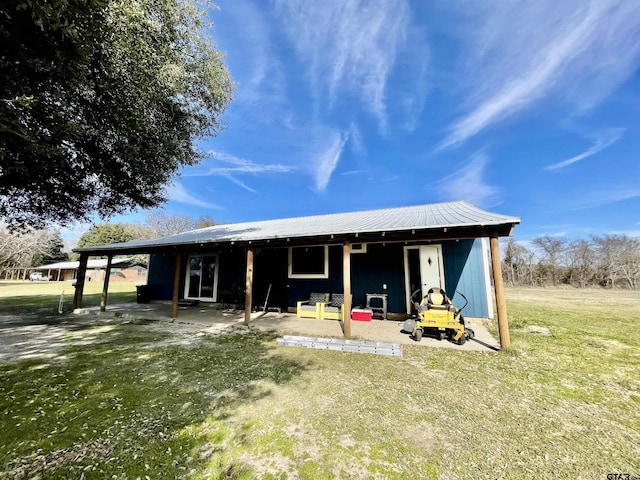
[44, 297]
[558, 405]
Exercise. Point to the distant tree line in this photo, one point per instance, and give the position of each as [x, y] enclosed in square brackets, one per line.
[611, 261]
[30, 247]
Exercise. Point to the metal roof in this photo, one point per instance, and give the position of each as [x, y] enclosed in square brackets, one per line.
[413, 218]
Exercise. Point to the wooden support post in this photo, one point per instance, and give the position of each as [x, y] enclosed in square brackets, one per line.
[501, 304]
[346, 285]
[248, 287]
[176, 287]
[82, 272]
[105, 286]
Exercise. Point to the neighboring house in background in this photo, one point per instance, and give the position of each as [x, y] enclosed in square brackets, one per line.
[122, 269]
[393, 251]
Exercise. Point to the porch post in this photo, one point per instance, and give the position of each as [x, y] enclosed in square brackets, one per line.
[501, 304]
[176, 287]
[346, 282]
[82, 272]
[248, 287]
[105, 286]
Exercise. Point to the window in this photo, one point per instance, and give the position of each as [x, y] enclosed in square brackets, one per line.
[358, 248]
[309, 262]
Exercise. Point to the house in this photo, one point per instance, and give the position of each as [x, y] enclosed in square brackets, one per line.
[122, 269]
[388, 252]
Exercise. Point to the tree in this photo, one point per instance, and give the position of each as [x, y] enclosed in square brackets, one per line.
[161, 224]
[552, 249]
[105, 234]
[581, 258]
[101, 102]
[29, 247]
[519, 265]
[618, 258]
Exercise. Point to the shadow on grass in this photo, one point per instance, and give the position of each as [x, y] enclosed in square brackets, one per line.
[134, 406]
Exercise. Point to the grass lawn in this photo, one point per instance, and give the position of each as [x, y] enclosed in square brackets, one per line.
[562, 402]
[44, 297]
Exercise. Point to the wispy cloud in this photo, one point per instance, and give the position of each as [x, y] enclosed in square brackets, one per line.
[349, 47]
[522, 52]
[230, 167]
[326, 159]
[178, 193]
[248, 32]
[607, 196]
[238, 165]
[603, 141]
[468, 184]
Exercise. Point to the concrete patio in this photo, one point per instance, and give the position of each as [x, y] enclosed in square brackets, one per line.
[215, 318]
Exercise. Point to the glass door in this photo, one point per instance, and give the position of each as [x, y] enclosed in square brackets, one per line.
[202, 277]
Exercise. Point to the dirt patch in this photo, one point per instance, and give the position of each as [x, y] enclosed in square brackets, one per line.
[28, 337]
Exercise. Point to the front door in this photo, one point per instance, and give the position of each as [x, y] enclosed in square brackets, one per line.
[202, 277]
[423, 268]
[431, 270]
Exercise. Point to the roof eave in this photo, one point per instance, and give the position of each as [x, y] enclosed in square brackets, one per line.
[401, 235]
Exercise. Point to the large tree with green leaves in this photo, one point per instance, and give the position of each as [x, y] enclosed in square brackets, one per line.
[101, 102]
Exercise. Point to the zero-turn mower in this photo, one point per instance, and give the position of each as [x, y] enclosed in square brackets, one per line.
[437, 315]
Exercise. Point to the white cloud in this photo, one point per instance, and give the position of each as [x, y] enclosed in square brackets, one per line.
[178, 193]
[347, 46]
[521, 52]
[257, 67]
[468, 184]
[613, 194]
[356, 141]
[241, 165]
[230, 166]
[601, 142]
[326, 159]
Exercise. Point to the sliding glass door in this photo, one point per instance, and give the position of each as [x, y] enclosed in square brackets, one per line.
[202, 277]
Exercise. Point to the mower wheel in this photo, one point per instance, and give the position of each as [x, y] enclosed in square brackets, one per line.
[443, 335]
[470, 333]
[462, 339]
[418, 334]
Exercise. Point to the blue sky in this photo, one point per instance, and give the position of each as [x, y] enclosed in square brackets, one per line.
[523, 108]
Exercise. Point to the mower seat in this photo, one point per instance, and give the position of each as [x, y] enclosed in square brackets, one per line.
[437, 299]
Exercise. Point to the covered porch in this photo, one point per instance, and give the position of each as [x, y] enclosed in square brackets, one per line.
[212, 319]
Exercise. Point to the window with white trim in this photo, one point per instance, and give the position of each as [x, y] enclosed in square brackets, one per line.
[309, 262]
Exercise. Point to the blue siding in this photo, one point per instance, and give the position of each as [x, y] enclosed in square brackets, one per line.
[160, 276]
[464, 271]
[382, 264]
[300, 288]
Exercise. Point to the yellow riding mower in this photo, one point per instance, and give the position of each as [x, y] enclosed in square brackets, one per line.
[437, 315]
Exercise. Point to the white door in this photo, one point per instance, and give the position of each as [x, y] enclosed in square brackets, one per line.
[202, 277]
[423, 268]
[431, 267]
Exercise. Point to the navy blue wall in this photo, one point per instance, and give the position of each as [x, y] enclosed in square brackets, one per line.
[160, 275]
[300, 288]
[380, 265]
